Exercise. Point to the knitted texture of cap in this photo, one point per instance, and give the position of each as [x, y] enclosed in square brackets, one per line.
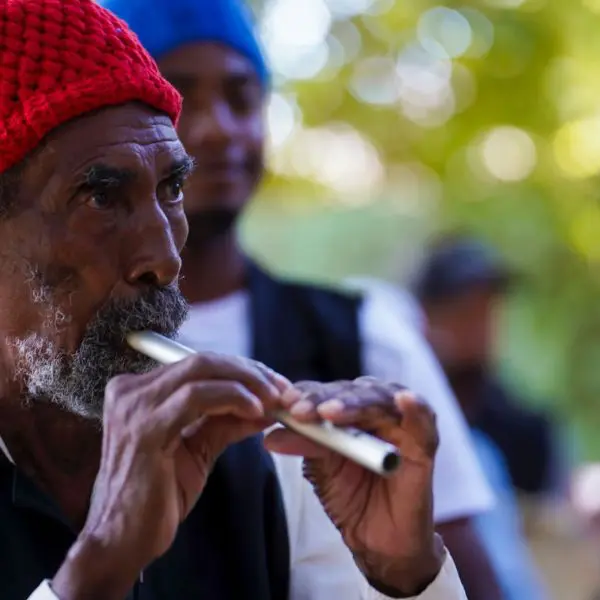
[60, 59]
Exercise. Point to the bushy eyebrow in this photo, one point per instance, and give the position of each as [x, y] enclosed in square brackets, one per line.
[182, 167]
[105, 176]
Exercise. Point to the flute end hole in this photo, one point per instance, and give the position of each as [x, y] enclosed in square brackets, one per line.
[391, 462]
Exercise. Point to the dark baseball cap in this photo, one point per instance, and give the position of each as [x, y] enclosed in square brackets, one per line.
[455, 266]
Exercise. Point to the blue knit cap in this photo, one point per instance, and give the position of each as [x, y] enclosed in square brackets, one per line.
[164, 25]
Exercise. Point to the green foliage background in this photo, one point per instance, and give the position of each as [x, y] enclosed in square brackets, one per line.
[541, 72]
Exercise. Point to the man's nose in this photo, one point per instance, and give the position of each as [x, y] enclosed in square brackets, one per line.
[153, 252]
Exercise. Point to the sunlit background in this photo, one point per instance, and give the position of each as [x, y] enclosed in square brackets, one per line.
[392, 120]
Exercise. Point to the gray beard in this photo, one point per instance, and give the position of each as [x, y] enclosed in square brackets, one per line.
[76, 382]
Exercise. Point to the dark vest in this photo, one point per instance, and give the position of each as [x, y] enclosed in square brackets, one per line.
[303, 331]
[234, 543]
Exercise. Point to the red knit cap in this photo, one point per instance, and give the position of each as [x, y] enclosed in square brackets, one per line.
[62, 58]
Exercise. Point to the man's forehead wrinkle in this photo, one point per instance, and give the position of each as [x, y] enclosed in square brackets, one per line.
[173, 143]
[112, 129]
[131, 116]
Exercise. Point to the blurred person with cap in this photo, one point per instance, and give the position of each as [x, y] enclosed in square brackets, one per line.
[120, 478]
[501, 528]
[210, 52]
[460, 288]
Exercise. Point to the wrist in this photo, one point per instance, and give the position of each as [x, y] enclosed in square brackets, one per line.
[405, 577]
[95, 569]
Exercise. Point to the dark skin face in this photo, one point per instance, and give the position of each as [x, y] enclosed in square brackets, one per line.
[461, 328]
[221, 125]
[104, 199]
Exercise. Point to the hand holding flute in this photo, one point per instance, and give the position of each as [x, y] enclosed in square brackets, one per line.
[164, 430]
[326, 424]
[370, 452]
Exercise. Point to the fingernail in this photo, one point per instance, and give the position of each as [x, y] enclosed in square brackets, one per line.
[283, 381]
[259, 408]
[193, 429]
[290, 396]
[403, 396]
[303, 407]
[331, 408]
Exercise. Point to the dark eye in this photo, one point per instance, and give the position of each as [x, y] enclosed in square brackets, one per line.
[243, 95]
[176, 188]
[99, 200]
[242, 100]
[171, 191]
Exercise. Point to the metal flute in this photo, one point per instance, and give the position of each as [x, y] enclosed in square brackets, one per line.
[366, 450]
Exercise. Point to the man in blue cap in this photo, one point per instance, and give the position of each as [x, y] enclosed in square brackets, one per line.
[209, 51]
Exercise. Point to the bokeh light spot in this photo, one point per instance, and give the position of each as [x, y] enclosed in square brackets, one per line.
[482, 33]
[375, 81]
[444, 32]
[508, 153]
[344, 9]
[294, 36]
[337, 156]
[349, 37]
[577, 147]
[592, 5]
[282, 118]
[426, 94]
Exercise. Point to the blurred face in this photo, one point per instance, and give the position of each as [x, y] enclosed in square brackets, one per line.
[91, 252]
[461, 328]
[221, 125]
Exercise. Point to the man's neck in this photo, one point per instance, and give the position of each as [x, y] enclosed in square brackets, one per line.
[213, 269]
[468, 384]
[58, 451]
